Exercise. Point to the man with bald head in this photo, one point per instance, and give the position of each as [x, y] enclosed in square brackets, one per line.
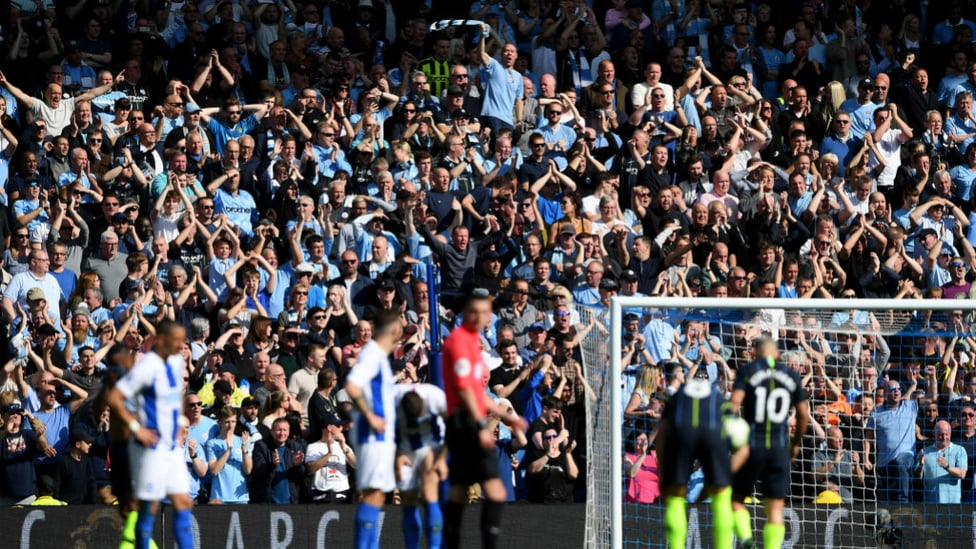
[942, 467]
[595, 94]
[79, 176]
[145, 154]
[54, 109]
[168, 116]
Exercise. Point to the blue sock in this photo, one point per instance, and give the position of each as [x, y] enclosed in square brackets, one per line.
[411, 527]
[367, 526]
[144, 526]
[434, 525]
[183, 529]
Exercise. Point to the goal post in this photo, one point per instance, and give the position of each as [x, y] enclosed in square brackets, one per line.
[904, 329]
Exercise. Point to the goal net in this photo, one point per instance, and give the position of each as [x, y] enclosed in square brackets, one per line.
[904, 491]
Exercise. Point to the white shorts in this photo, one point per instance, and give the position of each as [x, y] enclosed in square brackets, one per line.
[374, 466]
[410, 478]
[157, 473]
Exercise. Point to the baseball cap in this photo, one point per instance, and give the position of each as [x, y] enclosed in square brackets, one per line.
[35, 293]
[628, 275]
[455, 90]
[191, 108]
[230, 368]
[568, 228]
[223, 386]
[925, 232]
[120, 218]
[78, 434]
[386, 284]
[608, 284]
[46, 330]
[865, 83]
[13, 407]
[460, 113]
[72, 45]
[537, 326]
[304, 267]
[32, 182]
[129, 285]
[491, 255]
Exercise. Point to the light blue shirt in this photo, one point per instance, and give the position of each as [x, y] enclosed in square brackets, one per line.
[240, 209]
[894, 429]
[503, 88]
[939, 485]
[230, 484]
[862, 116]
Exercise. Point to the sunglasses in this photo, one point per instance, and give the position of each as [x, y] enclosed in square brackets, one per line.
[195, 404]
[552, 437]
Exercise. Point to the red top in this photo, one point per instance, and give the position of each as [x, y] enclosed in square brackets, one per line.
[461, 366]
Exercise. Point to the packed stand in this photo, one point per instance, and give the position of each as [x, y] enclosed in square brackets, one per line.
[276, 175]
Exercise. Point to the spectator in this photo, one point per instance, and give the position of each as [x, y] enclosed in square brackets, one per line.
[836, 468]
[942, 466]
[550, 476]
[74, 477]
[229, 460]
[891, 430]
[279, 466]
[641, 471]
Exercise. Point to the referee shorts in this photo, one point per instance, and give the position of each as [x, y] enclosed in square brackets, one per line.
[469, 463]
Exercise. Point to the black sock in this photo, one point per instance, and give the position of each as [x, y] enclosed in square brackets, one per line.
[452, 525]
[491, 523]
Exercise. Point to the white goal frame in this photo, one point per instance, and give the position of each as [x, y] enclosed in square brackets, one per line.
[619, 303]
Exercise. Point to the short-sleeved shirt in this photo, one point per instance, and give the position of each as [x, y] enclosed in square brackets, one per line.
[373, 375]
[462, 367]
[503, 87]
[157, 387]
[939, 485]
[771, 391]
[428, 429]
[57, 119]
[230, 484]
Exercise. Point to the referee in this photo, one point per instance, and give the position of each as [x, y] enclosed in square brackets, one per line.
[691, 430]
[470, 443]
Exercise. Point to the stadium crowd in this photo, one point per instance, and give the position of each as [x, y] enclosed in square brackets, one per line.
[275, 175]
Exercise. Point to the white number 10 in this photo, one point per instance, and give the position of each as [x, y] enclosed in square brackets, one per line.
[775, 404]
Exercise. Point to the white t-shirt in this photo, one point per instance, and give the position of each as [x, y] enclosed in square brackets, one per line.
[56, 119]
[334, 475]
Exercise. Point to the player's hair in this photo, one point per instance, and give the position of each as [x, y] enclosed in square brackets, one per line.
[412, 405]
[385, 322]
[167, 327]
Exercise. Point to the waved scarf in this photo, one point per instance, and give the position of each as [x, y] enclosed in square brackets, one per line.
[581, 71]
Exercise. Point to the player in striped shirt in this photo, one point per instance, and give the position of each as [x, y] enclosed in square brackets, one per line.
[421, 462]
[155, 383]
[370, 386]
